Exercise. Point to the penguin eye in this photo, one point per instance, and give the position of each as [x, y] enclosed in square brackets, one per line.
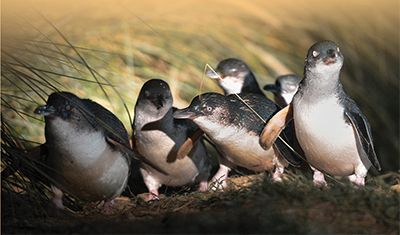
[315, 54]
[67, 107]
[147, 93]
[209, 109]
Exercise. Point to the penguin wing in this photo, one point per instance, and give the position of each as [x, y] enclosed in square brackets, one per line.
[363, 134]
[193, 134]
[189, 143]
[288, 147]
[109, 123]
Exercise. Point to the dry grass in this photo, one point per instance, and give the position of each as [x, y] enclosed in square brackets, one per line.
[130, 42]
[105, 50]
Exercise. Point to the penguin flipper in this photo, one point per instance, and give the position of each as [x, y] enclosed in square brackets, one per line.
[275, 126]
[189, 143]
[288, 146]
[362, 131]
[108, 122]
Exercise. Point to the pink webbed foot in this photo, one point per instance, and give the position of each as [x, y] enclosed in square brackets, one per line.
[278, 173]
[203, 186]
[319, 179]
[218, 182]
[57, 197]
[358, 180]
[152, 195]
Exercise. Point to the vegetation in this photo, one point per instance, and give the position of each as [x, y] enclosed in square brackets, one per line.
[106, 50]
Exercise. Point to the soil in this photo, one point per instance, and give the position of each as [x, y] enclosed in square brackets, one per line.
[249, 208]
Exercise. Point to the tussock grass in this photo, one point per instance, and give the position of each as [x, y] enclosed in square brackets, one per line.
[128, 43]
[107, 51]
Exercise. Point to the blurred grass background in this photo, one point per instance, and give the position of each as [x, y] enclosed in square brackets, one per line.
[75, 45]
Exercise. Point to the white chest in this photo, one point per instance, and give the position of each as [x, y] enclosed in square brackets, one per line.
[83, 146]
[238, 145]
[154, 144]
[84, 163]
[327, 140]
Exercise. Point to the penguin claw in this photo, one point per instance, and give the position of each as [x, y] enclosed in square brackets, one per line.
[152, 195]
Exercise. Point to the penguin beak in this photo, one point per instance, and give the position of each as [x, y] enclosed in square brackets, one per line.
[45, 110]
[212, 74]
[331, 57]
[158, 101]
[185, 114]
[272, 88]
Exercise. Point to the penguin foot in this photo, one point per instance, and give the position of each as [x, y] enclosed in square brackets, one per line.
[203, 186]
[108, 207]
[319, 179]
[218, 185]
[358, 180]
[218, 182]
[57, 197]
[151, 196]
[277, 176]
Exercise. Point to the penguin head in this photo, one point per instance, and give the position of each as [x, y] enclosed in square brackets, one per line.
[155, 98]
[324, 57]
[284, 88]
[230, 75]
[204, 109]
[64, 105]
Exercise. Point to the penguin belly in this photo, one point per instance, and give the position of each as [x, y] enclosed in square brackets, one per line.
[328, 141]
[239, 145]
[84, 164]
[160, 149]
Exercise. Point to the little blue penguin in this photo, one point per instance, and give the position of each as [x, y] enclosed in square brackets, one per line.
[234, 129]
[158, 137]
[331, 129]
[234, 76]
[87, 149]
[284, 88]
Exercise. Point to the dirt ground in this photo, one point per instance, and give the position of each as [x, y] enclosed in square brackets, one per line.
[257, 207]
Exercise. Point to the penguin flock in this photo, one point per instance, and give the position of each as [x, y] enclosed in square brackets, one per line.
[90, 156]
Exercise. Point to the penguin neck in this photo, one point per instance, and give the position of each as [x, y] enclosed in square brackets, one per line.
[150, 122]
[318, 86]
[250, 84]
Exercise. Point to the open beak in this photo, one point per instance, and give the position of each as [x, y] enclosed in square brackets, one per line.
[45, 110]
[272, 88]
[184, 114]
[329, 60]
[211, 74]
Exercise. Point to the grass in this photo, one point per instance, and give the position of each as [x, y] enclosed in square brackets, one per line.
[106, 51]
[295, 206]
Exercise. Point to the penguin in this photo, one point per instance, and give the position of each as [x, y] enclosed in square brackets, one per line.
[331, 129]
[158, 137]
[234, 76]
[234, 128]
[284, 88]
[87, 150]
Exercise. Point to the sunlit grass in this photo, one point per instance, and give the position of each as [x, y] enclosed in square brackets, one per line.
[106, 50]
[127, 43]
